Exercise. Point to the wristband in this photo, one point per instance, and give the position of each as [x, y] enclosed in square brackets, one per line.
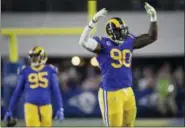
[92, 24]
[93, 21]
[90, 27]
[153, 18]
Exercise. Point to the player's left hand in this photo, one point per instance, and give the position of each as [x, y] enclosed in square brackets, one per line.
[151, 11]
[99, 14]
[7, 115]
[60, 114]
[9, 120]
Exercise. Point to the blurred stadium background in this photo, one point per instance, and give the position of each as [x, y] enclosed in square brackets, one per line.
[56, 25]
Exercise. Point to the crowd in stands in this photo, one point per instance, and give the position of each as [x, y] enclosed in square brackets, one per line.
[167, 83]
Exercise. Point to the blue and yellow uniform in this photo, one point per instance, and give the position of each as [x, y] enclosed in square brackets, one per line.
[116, 98]
[39, 84]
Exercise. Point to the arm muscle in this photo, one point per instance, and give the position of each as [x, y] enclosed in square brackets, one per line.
[145, 39]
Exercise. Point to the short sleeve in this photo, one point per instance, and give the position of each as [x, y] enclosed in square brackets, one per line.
[20, 70]
[131, 39]
[98, 39]
[54, 69]
[132, 36]
[105, 43]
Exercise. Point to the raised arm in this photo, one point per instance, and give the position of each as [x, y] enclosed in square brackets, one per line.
[150, 37]
[85, 40]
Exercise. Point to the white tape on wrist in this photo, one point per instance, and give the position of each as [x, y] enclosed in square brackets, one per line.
[153, 19]
[91, 44]
[92, 24]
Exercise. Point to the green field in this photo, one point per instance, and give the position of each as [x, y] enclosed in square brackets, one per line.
[96, 122]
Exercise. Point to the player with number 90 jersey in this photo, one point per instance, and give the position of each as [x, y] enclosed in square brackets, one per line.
[115, 63]
[114, 54]
[116, 98]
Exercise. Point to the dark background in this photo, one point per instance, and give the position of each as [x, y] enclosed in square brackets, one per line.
[81, 5]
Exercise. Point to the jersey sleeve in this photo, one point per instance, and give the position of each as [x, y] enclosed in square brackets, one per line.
[20, 70]
[54, 69]
[131, 38]
[98, 39]
[105, 42]
[55, 87]
[18, 90]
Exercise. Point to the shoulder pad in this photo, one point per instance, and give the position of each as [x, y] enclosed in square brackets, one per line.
[98, 39]
[54, 68]
[105, 41]
[21, 69]
[132, 36]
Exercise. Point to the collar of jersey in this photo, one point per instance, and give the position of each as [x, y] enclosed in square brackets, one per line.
[115, 41]
[38, 68]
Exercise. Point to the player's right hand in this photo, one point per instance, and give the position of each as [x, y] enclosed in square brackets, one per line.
[99, 14]
[60, 114]
[7, 115]
[151, 11]
[9, 120]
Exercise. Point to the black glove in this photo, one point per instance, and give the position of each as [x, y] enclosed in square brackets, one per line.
[11, 122]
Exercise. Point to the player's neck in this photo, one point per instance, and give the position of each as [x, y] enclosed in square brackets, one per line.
[39, 67]
[115, 42]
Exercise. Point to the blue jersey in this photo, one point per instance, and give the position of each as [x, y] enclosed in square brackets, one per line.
[115, 63]
[39, 85]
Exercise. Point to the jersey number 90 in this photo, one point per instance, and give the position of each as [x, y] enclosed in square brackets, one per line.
[123, 58]
[38, 80]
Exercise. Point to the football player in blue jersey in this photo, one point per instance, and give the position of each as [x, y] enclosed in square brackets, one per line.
[39, 81]
[114, 54]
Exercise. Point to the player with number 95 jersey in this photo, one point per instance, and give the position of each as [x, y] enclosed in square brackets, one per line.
[39, 82]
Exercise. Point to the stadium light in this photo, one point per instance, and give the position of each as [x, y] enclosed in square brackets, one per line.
[94, 62]
[170, 88]
[75, 60]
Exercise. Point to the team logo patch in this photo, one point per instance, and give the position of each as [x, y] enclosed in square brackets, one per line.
[108, 43]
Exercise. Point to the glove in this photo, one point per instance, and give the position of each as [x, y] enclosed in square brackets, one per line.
[151, 12]
[60, 114]
[9, 120]
[7, 115]
[97, 16]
